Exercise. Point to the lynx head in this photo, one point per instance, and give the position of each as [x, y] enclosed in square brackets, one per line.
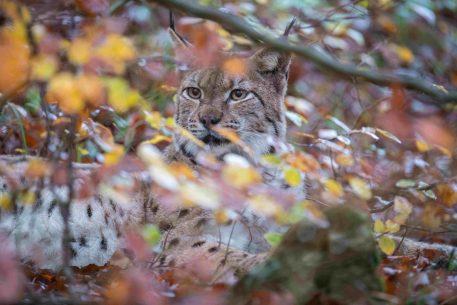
[249, 102]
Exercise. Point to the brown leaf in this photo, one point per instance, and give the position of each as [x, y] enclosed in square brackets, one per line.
[93, 7]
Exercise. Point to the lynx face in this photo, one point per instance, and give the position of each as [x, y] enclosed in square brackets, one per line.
[248, 103]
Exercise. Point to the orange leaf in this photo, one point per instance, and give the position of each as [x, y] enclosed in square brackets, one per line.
[63, 89]
[15, 66]
[91, 89]
[447, 194]
[37, 168]
[234, 66]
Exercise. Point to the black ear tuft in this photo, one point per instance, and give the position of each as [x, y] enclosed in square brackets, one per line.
[271, 60]
[289, 27]
[172, 21]
[177, 39]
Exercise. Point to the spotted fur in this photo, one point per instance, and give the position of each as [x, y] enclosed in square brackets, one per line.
[96, 224]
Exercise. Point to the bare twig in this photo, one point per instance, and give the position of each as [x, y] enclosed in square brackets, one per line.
[439, 95]
[383, 208]
[401, 241]
[408, 246]
[65, 207]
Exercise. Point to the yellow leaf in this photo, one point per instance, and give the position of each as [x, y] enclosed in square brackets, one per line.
[271, 159]
[265, 205]
[170, 122]
[392, 227]
[154, 119]
[168, 88]
[112, 157]
[379, 226]
[27, 197]
[221, 216]
[195, 194]
[82, 151]
[158, 138]
[241, 40]
[43, 67]
[334, 187]
[388, 135]
[240, 176]
[223, 33]
[116, 46]
[188, 135]
[120, 95]
[360, 188]
[344, 160]
[18, 17]
[116, 50]
[292, 176]
[404, 54]
[387, 245]
[5, 202]
[80, 51]
[422, 146]
[403, 208]
[402, 205]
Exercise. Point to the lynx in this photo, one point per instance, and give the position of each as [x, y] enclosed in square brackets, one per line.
[251, 104]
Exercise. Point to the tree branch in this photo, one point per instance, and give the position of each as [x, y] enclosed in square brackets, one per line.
[439, 95]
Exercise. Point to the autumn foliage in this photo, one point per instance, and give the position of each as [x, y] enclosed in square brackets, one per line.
[89, 81]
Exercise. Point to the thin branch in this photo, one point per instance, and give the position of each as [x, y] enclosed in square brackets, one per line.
[65, 207]
[382, 209]
[439, 95]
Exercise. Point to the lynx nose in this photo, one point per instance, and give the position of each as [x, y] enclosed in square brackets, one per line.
[210, 119]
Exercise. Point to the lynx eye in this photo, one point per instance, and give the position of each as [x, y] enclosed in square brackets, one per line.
[194, 92]
[238, 94]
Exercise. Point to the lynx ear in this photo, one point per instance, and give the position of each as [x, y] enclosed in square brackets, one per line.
[178, 40]
[269, 60]
[182, 48]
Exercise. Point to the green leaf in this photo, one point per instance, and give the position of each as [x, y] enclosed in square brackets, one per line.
[33, 100]
[151, 234]
[405, 183]
[296, 118]
[430, 194]
[452, 264]
[273, 238]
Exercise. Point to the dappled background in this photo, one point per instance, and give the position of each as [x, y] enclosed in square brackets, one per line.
[88, 81]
